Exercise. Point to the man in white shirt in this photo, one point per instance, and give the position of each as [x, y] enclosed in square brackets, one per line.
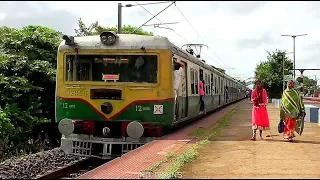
[178, 69]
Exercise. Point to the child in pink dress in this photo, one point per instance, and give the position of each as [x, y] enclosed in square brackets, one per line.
[260, 119]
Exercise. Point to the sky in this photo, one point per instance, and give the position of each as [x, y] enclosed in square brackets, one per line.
[238, 34]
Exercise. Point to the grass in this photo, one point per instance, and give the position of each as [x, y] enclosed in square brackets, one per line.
[178, 161]
[198, 132]
[169, 156]
[216, 131]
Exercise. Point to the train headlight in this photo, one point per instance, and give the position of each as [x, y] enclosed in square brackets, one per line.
[108, 38]
[66, 127]
[106, 108]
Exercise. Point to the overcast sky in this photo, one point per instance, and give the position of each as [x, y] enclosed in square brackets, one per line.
[238, 33]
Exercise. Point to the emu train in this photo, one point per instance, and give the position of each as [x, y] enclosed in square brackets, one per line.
[114, 92]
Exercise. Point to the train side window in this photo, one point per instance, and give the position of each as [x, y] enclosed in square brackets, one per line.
[192, 80]
[208, 84]
[221, 85]
[196, 81]
[216, 84]
[205, 83]
[212, 83]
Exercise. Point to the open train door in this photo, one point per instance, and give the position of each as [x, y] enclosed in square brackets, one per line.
[184, 93]
[181, 105]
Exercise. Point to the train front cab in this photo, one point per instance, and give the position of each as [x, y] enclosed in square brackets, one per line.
[103, 108]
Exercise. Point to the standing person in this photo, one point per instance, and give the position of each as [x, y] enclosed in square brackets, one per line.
[292, 108]
[201, 93]
[260, 119]
[227, 94]
[178, 69]
[247, 94]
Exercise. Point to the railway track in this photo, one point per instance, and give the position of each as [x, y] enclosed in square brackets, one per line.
[74, 169]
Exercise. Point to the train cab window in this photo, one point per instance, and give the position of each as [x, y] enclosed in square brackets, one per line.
[79, 71]
[114, 68]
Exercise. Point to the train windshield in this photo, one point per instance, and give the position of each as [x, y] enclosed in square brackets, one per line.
[112, 68]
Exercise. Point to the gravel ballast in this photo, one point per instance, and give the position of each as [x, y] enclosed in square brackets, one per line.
[35, 164]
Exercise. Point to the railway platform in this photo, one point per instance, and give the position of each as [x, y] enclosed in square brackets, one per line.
[314, 99]
[233, 155]
[131, 164]
[218, 157]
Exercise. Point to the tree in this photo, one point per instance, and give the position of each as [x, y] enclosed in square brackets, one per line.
[307, 82]
[27, 80]
[242, 82]
[96, 29]
[270, 72]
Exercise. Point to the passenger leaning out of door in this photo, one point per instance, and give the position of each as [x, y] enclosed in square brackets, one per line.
[201, 93]
[178, 69]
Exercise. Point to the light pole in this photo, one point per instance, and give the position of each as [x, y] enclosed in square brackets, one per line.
[294, 50]
[119, 18]
[283, 80]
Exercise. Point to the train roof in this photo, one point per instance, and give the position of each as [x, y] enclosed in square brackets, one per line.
[133, 41]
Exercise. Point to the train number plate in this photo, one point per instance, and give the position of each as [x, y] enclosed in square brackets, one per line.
[78, 93]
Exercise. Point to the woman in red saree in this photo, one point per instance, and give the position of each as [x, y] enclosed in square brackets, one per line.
[260, 118]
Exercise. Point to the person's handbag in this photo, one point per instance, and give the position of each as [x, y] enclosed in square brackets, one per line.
[281, 126]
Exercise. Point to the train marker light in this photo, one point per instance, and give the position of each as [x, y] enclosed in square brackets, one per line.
[108, 38]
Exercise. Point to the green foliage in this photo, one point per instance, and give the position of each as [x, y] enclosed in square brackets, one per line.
[5, 124]
[307, 82]
[270, 72]
[27, 81]
[96, 29]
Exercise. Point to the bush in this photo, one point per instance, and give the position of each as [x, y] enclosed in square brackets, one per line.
[27, 85]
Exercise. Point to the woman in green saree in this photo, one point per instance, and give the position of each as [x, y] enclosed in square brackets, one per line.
[292, 108]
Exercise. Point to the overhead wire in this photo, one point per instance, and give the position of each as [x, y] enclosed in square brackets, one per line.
[178, 33]
[198, 33]
[169, 27]
[162, 22]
